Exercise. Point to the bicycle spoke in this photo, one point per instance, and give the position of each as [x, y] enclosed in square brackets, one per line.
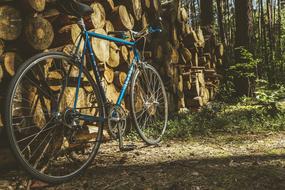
[42, 130]
[37, 148]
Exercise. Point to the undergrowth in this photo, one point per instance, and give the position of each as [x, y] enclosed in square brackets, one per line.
[264, 112]
[243, 117]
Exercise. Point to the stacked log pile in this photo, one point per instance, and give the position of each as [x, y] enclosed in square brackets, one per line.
[185, 57]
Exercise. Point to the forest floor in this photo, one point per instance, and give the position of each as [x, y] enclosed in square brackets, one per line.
[251, 161]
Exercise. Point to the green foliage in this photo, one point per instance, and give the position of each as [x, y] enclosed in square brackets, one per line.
[246, 116]
[245, 67]
[227, 92]
[269, 95]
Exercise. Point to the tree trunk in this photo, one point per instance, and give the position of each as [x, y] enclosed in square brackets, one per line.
[244, 31]
[244, 25]
[207, 12]
[220, 5]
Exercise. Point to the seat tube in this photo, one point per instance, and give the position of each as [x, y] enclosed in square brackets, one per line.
[85, 37]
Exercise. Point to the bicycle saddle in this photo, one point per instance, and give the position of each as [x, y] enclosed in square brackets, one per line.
[75, 8]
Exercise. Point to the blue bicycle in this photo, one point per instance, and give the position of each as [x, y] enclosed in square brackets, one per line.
[56, 108]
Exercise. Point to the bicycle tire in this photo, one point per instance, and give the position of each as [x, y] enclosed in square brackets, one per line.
[137, 78]
[24, 68]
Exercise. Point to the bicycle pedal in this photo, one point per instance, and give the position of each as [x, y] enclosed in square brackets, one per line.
[127, 148]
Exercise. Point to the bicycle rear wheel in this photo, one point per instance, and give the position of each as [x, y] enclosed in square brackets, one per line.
[149, 104]
[45, 136]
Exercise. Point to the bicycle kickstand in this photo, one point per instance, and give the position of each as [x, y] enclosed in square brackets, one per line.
[123, 147]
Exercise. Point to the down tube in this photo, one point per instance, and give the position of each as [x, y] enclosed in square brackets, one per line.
[126, 83]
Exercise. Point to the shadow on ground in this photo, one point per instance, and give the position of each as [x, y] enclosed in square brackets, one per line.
[241, 172]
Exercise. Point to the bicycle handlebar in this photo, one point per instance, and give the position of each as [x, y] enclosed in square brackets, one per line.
[138, 35]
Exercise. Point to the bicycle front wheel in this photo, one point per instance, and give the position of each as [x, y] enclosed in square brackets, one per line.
[149, 104]
[45, 135]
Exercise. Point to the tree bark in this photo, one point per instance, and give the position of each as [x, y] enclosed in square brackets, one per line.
[244, 24]
[220, 6]
[207, 12]
[244, 32]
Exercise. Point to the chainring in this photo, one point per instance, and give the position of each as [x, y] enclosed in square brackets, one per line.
[117, 118]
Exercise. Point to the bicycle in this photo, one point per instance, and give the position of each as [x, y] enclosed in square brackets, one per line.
[53, 133]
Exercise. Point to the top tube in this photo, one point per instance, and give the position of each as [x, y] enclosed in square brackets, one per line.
[110, 38]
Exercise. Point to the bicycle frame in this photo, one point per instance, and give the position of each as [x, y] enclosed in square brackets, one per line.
[86, 36]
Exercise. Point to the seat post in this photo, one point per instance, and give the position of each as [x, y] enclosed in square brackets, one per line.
[81, 24]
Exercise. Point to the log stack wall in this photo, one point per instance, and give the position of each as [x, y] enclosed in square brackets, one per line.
[185, 56]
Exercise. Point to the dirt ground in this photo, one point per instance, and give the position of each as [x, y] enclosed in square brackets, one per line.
[218, 162]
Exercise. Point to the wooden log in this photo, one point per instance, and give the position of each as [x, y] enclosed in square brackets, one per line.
[1, 73]
[208, 60]
[112, 93]
[124, 55]
[195, 59]
[109, 75]
[187, 29]
[219, 50]
[174, 37]
[120, 78]
[184, 14]
[36, 5]
[191, 39]
[98, 17]
[108, 26]
[146, 4]
[101, 47]
[181, 100]
[144, 21]
[201, 39]
[185, 55]
[135, 7]
[122, 20]
[39, 33]
[2, 47]
[114, 58]
[11, 61]
[174, 55]
[54, 76]
[11, 23]
[182, 29]
[206, 96]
